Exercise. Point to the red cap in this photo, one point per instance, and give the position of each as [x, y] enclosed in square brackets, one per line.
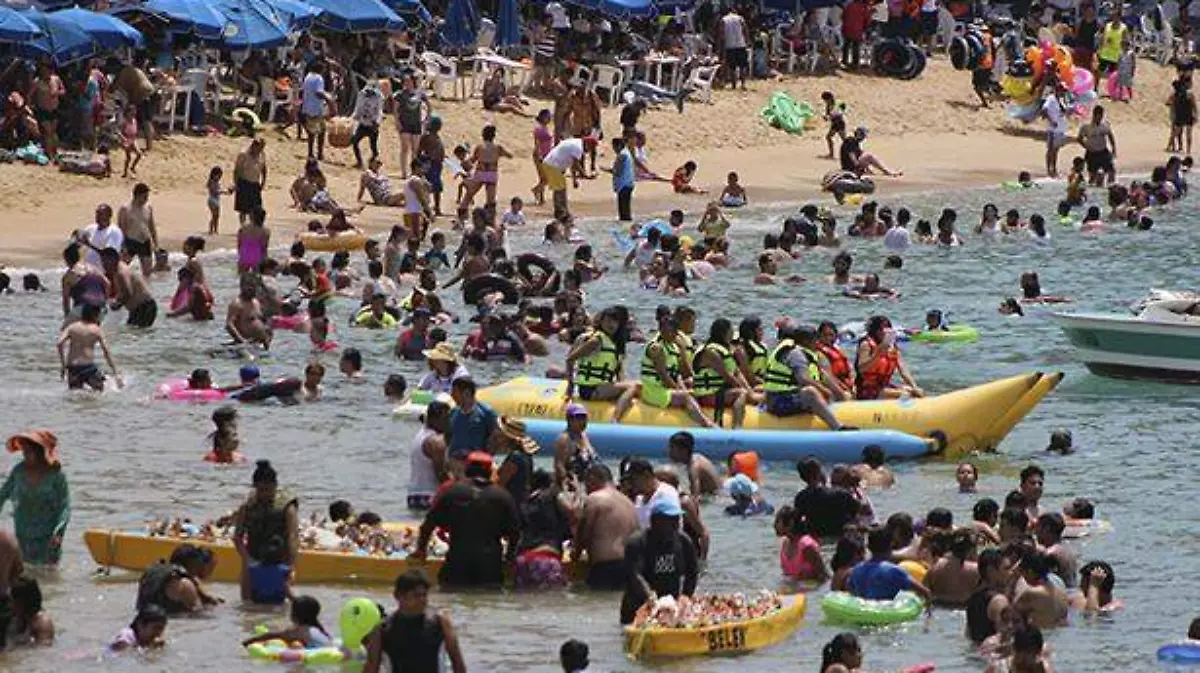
[480, 458]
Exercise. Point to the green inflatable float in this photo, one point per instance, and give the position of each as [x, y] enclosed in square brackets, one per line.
[784, 112]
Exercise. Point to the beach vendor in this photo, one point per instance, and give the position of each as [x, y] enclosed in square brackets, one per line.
[267, 537]
[41, 499]
[661, 561]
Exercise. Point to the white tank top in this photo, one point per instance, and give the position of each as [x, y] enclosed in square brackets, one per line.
[422, 480]
[412, 205]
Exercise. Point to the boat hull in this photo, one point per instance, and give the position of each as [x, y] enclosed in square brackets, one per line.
[1125, 347]
[721, 639]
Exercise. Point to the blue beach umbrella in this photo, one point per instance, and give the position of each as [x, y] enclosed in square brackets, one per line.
[410, 9]
[620, 9]
[295, 14]
[357, 16]
[14, 27]
[184, 16]
[508, 24]
[61, 41]
[461, 27]
[108, 31]
[251, 24]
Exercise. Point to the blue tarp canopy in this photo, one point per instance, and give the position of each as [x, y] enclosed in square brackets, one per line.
[357, 16]
[252, 24]
[619, 9]
[461, 27]
[184, 16]
[14, 27]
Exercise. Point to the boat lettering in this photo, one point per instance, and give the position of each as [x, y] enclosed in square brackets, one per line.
[728, 638]
[533, 409]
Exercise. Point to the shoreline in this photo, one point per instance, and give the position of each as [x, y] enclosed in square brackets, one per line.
[775, 168]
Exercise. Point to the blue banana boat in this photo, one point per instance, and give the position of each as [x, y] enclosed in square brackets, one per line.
[650, 441]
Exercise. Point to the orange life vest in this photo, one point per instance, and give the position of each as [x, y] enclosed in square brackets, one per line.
[872, 381]
[839, 365]
[745, 462]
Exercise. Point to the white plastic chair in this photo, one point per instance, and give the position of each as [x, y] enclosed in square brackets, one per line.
[582, 77]
[781, 48]
[440, 70]
[273, 98]
[172, 112]
[701, 82]
[610, 79]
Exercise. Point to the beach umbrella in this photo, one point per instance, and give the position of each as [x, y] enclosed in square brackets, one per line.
[14, 27]
[620, 9]
[508, 24]
[251, 24]
[61, 41]
[461, 27]
[296, 14]
[357, 16]
[410, 8]
[108, 31]
[184, 16]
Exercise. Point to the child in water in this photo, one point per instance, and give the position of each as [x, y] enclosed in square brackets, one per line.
[1077, 182]
[734, 195]
[1092, 220]
[799, 553]
[225, 440]
[146, 630]
[306, 626]
[746, 499]
[319, 326]
[351, 365]
[314, 373]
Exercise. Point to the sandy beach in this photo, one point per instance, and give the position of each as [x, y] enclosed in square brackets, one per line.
[930, 128]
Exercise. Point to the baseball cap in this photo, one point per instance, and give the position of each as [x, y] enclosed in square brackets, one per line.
[248, 373]
[574, 409]
[666, 507]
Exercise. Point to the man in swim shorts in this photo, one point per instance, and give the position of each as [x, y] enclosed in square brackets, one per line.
[608, 519]
[78, 364]
[244, 317]
[1100, 148]
[136, 221]
[132, 290]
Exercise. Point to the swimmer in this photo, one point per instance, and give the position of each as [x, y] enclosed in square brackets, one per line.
[145, 632]
[314, 373]
[395, 389]
[828, 237]
[244, 318]
[76, 352]
[989, 222]
[1010, 306]
[747, 500]
[351, 365]
[967, 476]
[1077, 183]
[768, 268]
[985, 516]
[1048, 532]
[1092, 221]
[1027, 654]
[1060, 442]
[799, 552]
[1025, 180]
[870, 289]
[1096, 581]
[953, 577]
[935, 321]
[225, 440]
[318, 331]
[946, 236]
[841, 270]
[872, 471]
[703, 478]
[1037, 229]
[306, 627]
[132, 290]
[1031, 290]
[1043, 603]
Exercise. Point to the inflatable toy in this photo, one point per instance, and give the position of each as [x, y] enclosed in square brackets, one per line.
[842, 607]
[177, 390]
[480, 286]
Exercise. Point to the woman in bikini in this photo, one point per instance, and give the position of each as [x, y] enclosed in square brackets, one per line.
[486, 159]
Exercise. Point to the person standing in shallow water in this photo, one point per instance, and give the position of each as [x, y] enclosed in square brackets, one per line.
[267, 534]
[412, 637]
[41, 499]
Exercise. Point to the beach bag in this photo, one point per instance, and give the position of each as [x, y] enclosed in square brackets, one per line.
[339, 130]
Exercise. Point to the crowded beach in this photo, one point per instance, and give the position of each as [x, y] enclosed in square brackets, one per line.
[502, 240]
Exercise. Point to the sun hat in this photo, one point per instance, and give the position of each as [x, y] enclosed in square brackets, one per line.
[574, 410]
[741, 485]
[43, 439]
[514, 429]
[443, 351]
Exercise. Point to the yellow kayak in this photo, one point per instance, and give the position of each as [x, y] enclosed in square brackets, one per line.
[971, 419]
[138, 551]
[349, 241]
[727, 638]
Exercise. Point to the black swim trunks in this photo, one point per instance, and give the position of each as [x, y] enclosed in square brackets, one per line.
[89, 375]
[1098, 161]
[138, 248]
[143, 314]
[607, 576]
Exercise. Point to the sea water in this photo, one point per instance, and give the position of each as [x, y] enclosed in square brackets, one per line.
[130, 459]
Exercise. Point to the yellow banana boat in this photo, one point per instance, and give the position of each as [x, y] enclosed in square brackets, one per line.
[138, 551]
[727, 638]
[971, 419]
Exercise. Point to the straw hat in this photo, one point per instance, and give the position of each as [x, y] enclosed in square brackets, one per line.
[514, 429]
[443, 351]
[40, 438]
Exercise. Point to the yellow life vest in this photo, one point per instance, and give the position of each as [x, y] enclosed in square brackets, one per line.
[779, 377]
[707, 381]
[600, 367]
[366, 318]
[756, 358]
[650, 372]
